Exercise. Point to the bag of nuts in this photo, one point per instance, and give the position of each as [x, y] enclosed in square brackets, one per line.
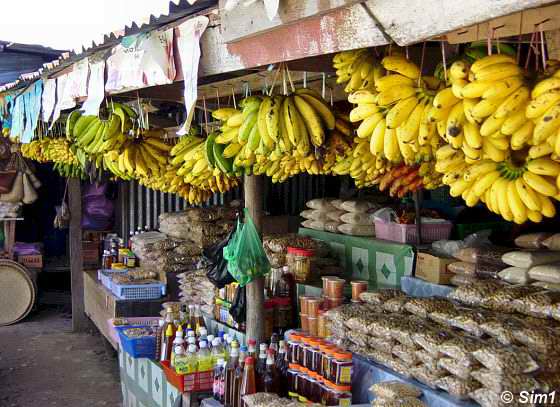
[379, 297]
[501, 359]
[498, 383]
[431, 339]
[539, 339]
[538, 305]
[460, 348]
[427, 376]
[457, 367]
[393, 389]
[421, 307]
[476, 293]
[459, 388]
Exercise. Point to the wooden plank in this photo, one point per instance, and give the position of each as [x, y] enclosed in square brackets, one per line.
[524, 22]
[243, 22]
[254, 186]
[411, 21]
[553, 44]
[97, 305]
[79, 320]
[345, 28]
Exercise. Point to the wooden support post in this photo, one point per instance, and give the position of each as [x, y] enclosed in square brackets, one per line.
[253, 187]
[79, 319]
[417, 199]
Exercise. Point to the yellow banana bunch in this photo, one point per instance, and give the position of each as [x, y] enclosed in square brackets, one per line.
[56, 150]
[358, 69]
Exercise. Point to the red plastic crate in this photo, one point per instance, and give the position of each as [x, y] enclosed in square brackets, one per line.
[199, 381]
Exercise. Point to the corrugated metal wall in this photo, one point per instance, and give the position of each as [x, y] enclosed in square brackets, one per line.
[140, 207]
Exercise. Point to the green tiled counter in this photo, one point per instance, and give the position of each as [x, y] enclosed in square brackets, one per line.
[382, 263]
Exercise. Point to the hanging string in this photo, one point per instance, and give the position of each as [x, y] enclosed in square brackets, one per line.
[489, 41]
[422, 62]
[274, 79]
[530, 49]
[218, 97]
[444, 61]
[206, 113]
[290, 79]
[233, 95]
[305, 79]
[323, 90]
[543, 50]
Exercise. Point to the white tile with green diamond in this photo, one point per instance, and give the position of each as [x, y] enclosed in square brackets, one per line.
[385, 269]
[157, 384]
[172, 394]
[143, 374]
[360, 263]
[130, 365]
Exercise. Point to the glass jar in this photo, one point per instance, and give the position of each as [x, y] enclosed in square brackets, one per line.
[313, 393]
[303, 384]
[293, 372]
[293, 348]
[326, 361]
[299, 263]
[306, 353]
[315, 356]
[338, 395]
[341, 368]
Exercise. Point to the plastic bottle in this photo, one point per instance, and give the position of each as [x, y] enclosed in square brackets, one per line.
[167, 344]
[178, 342]
[192, 322]
[160, 334]
[168, 323]
[248, 385]
[218, 350]
[198, 320]
[271, 381]
[210, 340]
[219, 380]
[260, 367]
[231, 366]
[189, 363]
[178, 353]
[203, 335]
[282, 369]
[252, 349]
[192, 341]
[274, 343]
[238, 377]
[204, 358]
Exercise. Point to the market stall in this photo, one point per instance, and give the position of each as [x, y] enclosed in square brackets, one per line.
[415, 270]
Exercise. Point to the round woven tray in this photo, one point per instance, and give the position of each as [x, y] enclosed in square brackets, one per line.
[17, 292]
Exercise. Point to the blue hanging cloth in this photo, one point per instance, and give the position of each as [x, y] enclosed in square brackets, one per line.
[18, 117]
[32, 103]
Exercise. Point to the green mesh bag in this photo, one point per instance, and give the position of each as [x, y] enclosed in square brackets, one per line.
[245, 253]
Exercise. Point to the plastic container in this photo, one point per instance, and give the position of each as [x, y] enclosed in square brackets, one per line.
[283, 314]
[313, 306]
[338, 395]
[294, 342]
[138, 291]
[144, 347]
[199, 381]
[313, 325]
[358, 287]
[325, 280]
[341, 368]
[293, 371]
[404, 233]
[322, 325]
[106, 276]
[333, 302]
[304, 323]
[299, 261]
[335, 288]
[303, 303]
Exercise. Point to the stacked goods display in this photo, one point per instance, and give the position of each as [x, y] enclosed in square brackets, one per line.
[501, 138]
[476, 263]
[394, 126]
[456, 348]
[351, 217]
[396, 393]
[282, 135]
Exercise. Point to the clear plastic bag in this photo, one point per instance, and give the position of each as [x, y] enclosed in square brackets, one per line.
[382, 344]
[323, 204]
[457, 368]
[540, 339]
[403, 328]
[503, 299]
[530, 259]
[538, 304]
[393, 389]
[431, 339]
[532, 240]
[356, 230]
[380, 296]
[402, 402]
[460, 348]
[335, 215]
[498, 383]
[501, 328]
[423, 306]
[332, 226]
[357, 338]
[461, 279]
[549, 273]
[457, 387]
[427, 376]
[515, 275]
[476, 293]
[406, 354]
[505, 359]
[462, 267]
[395, 304]
[426, 358]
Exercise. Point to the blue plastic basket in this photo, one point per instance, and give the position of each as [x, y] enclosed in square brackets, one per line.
[106, 277]
[138, 291]
[144, 347]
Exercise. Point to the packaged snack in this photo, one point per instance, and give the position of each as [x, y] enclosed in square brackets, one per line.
[505, 359]
[337, 204]
[460, 348]
[501, 328]
[431, 339]
[457, 368]
[463, 279]
[485, 270]
[360, 323]
[357, 218]
[425, 357]
[357, 206]
[530, 259]
[323, 204]
[532, 240]
[538, 304]
[382, 344]
[380, 296]
[459, 388]
[482, 255]
[476, 293]
[503, 299]
[394, 389]
[553, 242]
[426, 376]
[356, 230]
[395, 304]
[462, 267]
[313, 224]
[549, 273]
[498, 383]
[314, 214]
[515, 275]
[402, 402]
[403, 328]
[335, 215]
[332, 226]
[357, 338]
[422, 307]
[406, 354]
[540, 339]
[547, 286]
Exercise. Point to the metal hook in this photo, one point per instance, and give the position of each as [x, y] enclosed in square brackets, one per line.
[305, 79]
[444, 61]
[233, 94]
[323, 85]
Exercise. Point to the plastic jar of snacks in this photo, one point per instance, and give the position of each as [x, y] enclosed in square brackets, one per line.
[341, 368]
[293, 372]
[358, 287]
[327, 360]
[338, 395]
[294, 342]
[299, 261]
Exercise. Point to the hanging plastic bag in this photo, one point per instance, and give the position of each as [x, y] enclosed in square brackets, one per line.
[217, 271]
[239, 306]
[245, 253]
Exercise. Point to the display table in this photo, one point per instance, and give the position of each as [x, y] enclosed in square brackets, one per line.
[416, 287]
[366, 373]
[101, 305]
[381, 262]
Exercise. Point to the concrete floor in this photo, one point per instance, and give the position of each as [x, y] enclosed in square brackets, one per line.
[42, 363]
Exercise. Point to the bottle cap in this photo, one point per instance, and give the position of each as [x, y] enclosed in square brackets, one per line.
[203, 331]
[179, 350]
[210, 339]
[161, 322]
[192, 348]
[252, 342]
[202, 344]
[216, 342]
[190, 333]
[243, 349]
[169, 331]
[263, 347]
[249, 360]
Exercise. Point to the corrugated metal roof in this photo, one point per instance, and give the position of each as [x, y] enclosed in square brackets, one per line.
[177, 10]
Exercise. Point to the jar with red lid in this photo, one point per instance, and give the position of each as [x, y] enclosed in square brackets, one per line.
[294, 342]
[305, 352]
[326, 361]
[341, 368]
[338, 395]
[303, 384]
[314, 387]
[293, 372]
[299, 263]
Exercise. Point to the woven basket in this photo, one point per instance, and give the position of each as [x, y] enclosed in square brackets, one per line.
[18, 292]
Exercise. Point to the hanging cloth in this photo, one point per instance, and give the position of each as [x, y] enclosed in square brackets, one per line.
[18, 117]
[7, 113]
[32, 104]
[48, 99]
